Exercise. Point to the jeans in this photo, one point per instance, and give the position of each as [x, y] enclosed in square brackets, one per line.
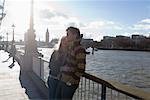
[64, 91]
[52, 84]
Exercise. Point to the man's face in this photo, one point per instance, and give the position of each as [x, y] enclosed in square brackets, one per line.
[70, 36]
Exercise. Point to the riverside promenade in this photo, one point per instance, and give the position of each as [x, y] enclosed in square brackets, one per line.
[14, 83]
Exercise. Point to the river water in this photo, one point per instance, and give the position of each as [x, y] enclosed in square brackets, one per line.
[128, 67]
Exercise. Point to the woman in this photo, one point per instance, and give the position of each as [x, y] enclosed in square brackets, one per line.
[56, 61]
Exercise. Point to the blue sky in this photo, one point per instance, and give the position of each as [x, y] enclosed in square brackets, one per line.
[125, 11]
[95, 18]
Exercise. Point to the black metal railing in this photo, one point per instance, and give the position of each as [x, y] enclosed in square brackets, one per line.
[95, 88]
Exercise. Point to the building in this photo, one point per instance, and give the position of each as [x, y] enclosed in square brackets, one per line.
[87, 43]
[107, 42]
[122, 37]
[138, 38]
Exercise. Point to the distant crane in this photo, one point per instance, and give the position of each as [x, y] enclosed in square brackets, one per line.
[2, 14]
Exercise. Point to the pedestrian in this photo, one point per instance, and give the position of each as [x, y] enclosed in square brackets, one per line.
[74, 65]
[13, 52]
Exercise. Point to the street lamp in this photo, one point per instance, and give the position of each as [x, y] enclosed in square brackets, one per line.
[7, 41]
[13, 26]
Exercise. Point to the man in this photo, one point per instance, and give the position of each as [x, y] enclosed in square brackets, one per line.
[74, 65]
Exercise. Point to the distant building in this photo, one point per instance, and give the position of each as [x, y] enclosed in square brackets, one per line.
[87, 43]
[108, 38]
[138, 38]
[122, 37]
[47, 36]
[107, 42]
[136, 42]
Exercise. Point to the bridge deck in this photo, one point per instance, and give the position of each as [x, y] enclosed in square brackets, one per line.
[15, 84]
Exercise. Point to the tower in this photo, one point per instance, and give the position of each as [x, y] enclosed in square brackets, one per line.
[47, 36]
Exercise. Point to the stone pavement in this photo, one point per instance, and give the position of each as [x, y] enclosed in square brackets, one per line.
[15, 84]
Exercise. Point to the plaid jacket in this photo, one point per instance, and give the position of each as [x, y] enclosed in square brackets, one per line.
[75, 64]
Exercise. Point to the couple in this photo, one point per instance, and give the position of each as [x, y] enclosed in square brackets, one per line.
[67, 65]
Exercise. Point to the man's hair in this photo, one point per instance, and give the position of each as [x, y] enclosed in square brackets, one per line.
[74, 30]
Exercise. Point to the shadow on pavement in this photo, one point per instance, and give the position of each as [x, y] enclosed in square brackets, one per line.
[30, 89]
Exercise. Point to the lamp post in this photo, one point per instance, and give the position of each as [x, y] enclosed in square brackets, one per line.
[7, 41]
[13, 27]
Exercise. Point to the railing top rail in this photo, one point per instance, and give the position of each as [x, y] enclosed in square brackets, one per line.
[45, 60]
[125, 89]
[41, 58]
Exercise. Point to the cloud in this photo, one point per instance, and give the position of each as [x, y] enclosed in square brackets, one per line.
[145, 21]
[48, 14]
[136, 33]
[60, 20]
[102, 25]
[92, 29]
[57, 17]
[142, 25]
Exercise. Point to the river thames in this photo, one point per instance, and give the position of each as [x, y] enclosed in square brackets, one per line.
[128, 67]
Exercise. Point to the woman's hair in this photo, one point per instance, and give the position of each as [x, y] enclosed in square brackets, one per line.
[61, 44]
[74, 30]
[56, 47]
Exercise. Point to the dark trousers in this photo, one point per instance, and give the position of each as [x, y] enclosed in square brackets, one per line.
[64, 91]
[52, 84]
[13, 59]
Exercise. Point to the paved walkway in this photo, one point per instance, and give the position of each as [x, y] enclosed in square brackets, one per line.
[14, 84]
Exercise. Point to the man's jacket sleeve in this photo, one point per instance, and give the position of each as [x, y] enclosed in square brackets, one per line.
[81, 61]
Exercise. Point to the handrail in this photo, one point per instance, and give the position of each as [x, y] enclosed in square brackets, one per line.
[125, 89]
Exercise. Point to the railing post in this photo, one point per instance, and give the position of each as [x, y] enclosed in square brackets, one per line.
[40, 68]
[103, 95]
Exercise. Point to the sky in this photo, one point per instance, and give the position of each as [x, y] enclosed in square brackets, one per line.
[94, 18]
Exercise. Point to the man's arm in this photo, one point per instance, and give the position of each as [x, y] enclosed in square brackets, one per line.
[81, 61]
